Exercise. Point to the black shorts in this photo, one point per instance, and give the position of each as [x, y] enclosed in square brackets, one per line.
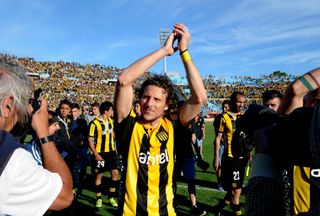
[109, 162]
[232, 173]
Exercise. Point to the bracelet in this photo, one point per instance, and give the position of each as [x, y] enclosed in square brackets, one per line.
[183, 51]
[306, 83]
[185, 56]
[46, 139]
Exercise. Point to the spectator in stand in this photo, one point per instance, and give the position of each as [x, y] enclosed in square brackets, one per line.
[27, 188]
[61, 78]
[272, 99]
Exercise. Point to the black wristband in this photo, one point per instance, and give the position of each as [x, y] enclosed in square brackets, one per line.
[183, 51]
[46, 139]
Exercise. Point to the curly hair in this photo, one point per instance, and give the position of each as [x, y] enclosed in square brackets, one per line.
[163, 82]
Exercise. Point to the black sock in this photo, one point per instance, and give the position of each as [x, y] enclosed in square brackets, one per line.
[236, 209]
[223, 203]
[113, 189]
[98, 191]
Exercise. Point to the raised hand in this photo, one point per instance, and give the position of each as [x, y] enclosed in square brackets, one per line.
[168, 45]
[183, 35]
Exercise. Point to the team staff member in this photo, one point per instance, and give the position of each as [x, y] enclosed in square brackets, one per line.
[147, 143]
[102, 144]
[233, 161]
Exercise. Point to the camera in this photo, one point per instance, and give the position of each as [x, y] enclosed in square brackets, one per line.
[34, 101]
[20, 131]
[257, 116]
[254, 118]
[287, 132]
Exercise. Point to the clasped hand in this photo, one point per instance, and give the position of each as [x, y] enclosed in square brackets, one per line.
[181, 34]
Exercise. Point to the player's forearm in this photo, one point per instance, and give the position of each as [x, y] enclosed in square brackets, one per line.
[140, 67]
[197, 90]
[216, 147]
[91, 145]
[293, 97]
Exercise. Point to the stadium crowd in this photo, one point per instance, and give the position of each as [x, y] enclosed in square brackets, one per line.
[86, 84]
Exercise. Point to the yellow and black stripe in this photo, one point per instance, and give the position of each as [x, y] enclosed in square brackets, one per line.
[102, 132]
[149, 169]
[306, 188]
[227, 127]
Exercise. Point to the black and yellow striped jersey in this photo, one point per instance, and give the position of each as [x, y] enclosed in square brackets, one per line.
[102, 132]
[149, 161]
[305, 188]
[227, 127]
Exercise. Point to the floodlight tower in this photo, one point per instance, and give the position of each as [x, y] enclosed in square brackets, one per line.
[163, 35]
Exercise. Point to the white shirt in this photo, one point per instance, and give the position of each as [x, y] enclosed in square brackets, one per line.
[27, 188]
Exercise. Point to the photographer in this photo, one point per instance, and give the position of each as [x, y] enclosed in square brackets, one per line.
[282, 182]
[27, 188]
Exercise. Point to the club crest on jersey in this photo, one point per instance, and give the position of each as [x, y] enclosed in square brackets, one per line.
[162, 136]
[147, 159]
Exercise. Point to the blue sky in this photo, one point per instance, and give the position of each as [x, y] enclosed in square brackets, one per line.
[243, 37]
